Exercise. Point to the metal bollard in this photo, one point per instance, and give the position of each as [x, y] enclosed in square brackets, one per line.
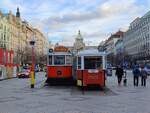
[32, 79]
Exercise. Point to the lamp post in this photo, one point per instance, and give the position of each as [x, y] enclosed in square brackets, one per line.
[32, 42]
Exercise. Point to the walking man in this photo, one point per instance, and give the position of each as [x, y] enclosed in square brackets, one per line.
[136, 74]
[119, 74]
[143, 76]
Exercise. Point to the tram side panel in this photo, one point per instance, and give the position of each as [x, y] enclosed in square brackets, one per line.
[59, 71]
[91, 78]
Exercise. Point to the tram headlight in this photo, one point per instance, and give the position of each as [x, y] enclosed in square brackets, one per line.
[50, 50]
[59, 72]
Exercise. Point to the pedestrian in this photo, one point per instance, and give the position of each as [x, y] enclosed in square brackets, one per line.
[119, 74]
[136, 74]
[143, 76]
[125, 78]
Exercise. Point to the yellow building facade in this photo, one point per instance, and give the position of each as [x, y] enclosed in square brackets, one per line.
[16, 34]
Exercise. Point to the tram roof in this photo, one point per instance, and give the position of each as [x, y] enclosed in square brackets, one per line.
[59, 53]
[91, 52]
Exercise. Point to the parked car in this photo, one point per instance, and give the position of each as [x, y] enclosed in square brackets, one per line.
[25, 73]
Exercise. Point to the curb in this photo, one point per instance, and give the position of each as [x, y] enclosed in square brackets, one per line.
[7, 78]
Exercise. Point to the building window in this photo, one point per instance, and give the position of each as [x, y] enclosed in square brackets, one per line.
[4, 37]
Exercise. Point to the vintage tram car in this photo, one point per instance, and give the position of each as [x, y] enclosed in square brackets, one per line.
[90, 68]
[59, 66]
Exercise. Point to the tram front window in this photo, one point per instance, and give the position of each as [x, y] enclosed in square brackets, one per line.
[59, 60]
[92, 62]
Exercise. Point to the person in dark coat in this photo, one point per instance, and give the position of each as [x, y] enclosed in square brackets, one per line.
[136, 74]
[143, 76]
[119, 74]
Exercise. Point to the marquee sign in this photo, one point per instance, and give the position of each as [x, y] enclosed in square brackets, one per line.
[60, 49]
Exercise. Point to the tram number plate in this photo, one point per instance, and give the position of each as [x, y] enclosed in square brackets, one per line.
[92, 71]
[59, 73]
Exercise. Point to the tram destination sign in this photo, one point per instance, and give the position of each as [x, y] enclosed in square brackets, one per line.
[60, 49]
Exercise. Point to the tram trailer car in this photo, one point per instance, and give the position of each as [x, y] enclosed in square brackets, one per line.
[59, 66]
[90, 68]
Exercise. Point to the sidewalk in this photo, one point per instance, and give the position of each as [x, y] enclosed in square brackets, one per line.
[7, 78]
[113, 85]
[129, 99]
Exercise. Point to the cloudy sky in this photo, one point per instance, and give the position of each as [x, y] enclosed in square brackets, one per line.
[60, 20]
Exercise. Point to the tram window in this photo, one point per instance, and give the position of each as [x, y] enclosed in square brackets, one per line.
[59, 60]
[92, 62]
[68, 60]
[50, 60]
[79, 62]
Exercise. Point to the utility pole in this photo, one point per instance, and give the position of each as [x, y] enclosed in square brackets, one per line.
[32, 43]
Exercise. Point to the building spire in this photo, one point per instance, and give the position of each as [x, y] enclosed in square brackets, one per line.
[79, 36]
[18, 13]
[79, 32]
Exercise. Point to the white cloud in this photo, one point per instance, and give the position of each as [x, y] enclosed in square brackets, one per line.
[96, 19]
[108, 17]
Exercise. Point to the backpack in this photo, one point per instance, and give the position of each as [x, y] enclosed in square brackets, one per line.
[143, 73]
[136, 71]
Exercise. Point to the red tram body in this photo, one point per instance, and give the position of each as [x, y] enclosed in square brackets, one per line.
[59, 65]
[91, 68]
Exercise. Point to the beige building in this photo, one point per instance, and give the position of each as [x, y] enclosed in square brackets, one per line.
[5, 39]
[41, 43]
[16, 34]
[79, 44]
[110, 47]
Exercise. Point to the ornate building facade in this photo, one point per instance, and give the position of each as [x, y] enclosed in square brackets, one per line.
[5, 39]
[16, 34]
[137, 39]
[79, 44]
[110, 46]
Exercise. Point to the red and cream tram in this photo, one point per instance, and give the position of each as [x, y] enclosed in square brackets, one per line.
[59, 65]
[91, 68]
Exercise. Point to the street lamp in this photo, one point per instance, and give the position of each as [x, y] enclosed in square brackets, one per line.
[32, 43]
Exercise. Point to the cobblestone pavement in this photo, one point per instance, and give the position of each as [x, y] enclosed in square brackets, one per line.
[17, 97]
